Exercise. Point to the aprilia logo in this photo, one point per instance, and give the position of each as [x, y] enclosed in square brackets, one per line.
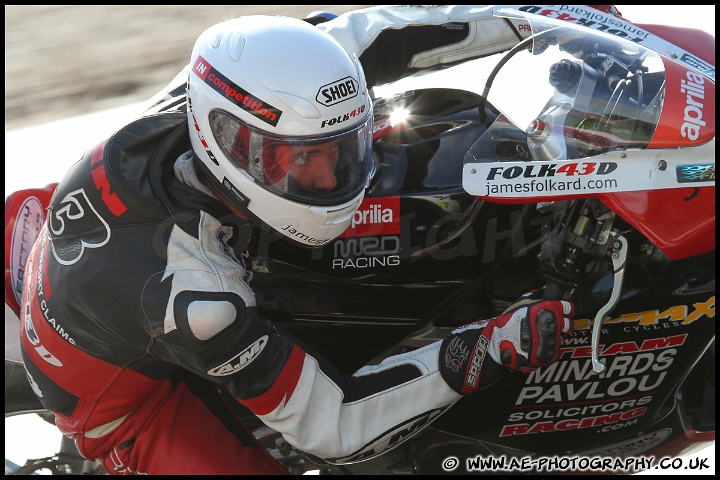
[376, 216]
[27, 226]
[695, 94]
[373, 213]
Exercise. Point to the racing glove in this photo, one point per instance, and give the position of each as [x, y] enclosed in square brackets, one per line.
[526, 337]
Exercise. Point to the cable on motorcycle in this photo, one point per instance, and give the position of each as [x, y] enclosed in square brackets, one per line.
[491, 78]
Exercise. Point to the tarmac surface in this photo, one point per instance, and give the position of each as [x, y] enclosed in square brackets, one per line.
[67, 60]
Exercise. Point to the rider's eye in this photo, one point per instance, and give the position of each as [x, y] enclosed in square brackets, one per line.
[300, 158]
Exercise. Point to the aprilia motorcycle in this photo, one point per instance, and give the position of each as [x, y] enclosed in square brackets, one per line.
[580, 164]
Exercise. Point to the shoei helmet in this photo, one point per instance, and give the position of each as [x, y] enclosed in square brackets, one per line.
[281, 124]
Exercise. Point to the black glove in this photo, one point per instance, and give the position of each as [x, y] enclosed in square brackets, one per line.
[522, 339]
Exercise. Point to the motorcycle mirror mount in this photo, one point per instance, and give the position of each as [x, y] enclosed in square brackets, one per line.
[618, 256]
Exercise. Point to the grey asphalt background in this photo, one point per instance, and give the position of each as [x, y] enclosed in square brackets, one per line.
[67, 60]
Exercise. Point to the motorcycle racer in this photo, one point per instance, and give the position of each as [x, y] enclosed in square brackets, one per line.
[140, 329]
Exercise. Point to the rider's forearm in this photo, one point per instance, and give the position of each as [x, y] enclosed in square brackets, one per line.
[343, 419]
[394, 41]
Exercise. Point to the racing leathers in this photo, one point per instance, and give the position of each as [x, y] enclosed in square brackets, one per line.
[141, 332]
[136, 290]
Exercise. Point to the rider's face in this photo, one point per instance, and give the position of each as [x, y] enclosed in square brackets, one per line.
[313, 167]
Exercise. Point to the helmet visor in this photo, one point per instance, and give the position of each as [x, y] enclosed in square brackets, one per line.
[327, 170]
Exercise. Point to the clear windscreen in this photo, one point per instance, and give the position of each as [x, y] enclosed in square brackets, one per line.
[571, 94]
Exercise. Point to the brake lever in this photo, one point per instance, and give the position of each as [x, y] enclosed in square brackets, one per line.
[619, 254]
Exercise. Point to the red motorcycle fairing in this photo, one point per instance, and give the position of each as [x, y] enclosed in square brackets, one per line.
[698, 42]
[626, 125]
[688, 114]
[681, 222]
[24, 217]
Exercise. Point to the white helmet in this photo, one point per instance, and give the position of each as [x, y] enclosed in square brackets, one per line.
[281, 124]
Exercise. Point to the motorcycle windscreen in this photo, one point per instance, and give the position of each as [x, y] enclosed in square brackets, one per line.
[585, 114]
